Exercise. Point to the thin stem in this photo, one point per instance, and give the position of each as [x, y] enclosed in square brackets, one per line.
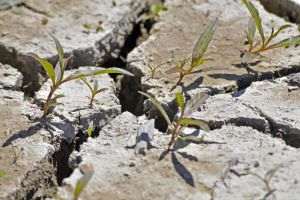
[92, 100]
[46, 105]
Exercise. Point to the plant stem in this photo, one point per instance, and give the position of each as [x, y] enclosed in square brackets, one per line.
[92, 100]
[46, 105]
[175, 134]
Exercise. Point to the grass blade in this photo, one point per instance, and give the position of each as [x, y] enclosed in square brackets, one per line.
[60, 51]
[87, 84]
[286, 42]
[281, 28]
[203, 125]
[202, 43]
[48, 67]
[251, 32]
[255, 15]
[157, 104]
[112, 70]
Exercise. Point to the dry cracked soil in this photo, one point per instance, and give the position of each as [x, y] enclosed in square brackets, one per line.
[250, 153]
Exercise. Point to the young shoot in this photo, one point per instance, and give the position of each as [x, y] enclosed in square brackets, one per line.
[57, 75]
[265, 42]
[192, 65]
[182, 120]
[87, 170]
[154, 12]
[94, 90]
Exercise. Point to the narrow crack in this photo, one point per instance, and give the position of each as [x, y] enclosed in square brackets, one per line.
[290, 135]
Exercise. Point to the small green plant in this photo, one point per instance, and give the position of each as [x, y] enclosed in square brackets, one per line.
[182, 120]
[57, 77]
[94, 90]
[88, 171]
[197, 60]
[154, 12]
[266, 42]
[2, 173]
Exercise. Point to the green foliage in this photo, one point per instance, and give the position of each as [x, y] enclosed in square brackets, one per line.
[57, 77]
[88, 172]
[156, 9]
[94, 89]
[266, 42]
[154, 12]
[183, 120]
[197, 60]
[2, 173]
[93, 27]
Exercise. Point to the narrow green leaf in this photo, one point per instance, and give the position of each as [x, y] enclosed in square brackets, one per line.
[60, 51]
[251, 32]
[255, 15]
[87, 84]
[83, 181]
[194, 122]
[157, 104]
[281, 28]
[287, 42]
[112, 70]
[180, 101]
[48, 67]
[202, 43]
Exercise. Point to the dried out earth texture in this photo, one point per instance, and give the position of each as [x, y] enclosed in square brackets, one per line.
[252, 151]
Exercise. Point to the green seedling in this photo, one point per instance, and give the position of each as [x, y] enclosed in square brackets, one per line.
[154, 12]
[192, 65]
[266, 42]
[182, 119]
[57, 75]
[87, 171]
[94, 90]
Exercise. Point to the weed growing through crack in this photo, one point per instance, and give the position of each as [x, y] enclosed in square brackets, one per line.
[255, 47]
[154, 12]
[87, 171]
[94, 89]
[57, 77]
[192, 65]
[182, 119]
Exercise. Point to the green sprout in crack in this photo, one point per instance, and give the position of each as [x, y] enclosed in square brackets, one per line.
[154, 12]
[192, 65]
[265, 43]
[94, 90]
[57, 75]
[182, 120]
[87, 170]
